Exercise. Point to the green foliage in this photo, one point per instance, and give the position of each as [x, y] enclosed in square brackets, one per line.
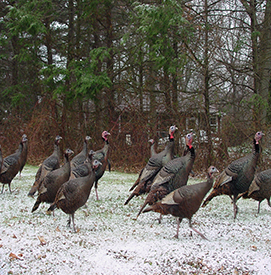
[24, 20]
[15, 95]
[90, 80]
[86, 79]
[162, 25]
[53, 79]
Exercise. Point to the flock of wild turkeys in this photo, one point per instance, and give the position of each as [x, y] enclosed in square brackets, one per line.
[163, 179]
[66, 187]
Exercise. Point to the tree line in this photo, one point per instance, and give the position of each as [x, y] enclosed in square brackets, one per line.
[78, 67]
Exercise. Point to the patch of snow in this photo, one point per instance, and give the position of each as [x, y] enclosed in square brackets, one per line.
[110, 241]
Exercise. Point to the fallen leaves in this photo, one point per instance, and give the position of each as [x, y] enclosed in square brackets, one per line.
[42, 241]
[13, 256]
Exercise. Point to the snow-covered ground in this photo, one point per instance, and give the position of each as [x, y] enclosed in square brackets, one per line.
[110, 241]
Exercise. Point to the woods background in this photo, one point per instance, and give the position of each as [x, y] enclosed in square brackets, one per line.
[76, 68]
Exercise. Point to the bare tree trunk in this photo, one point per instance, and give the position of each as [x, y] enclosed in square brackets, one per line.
[261, 58]
[265, 61]
[206, 85]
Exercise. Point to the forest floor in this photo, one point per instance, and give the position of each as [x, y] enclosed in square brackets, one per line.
[110, 241]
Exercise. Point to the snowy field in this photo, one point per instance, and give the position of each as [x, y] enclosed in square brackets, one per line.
[110, 241]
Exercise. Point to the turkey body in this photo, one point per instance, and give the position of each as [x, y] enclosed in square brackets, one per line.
[172, 176]
[48, 165]
[154, 165]
[237, 177]
[52, 182]
[11, 165]
[185, 201]
[74, 193]
[84, 169]
[260, 188]
[82, 156]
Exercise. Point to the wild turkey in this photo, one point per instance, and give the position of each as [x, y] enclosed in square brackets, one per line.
[154, 165]
[260, 188]
[172, 176]
[74, 193]
[83, 169]
[237, 177]
[152, 153]
[102, 156]
[11, 165]
[53, 180]
[81, 157]
[185, 201]
[23, 157]
[48, 165]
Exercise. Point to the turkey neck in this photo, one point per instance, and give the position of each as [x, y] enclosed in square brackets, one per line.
[255, 154]
[256, 148]
[192, 152]
[191, 155]
[85, 147]
[153, 150]
[25, 149]
[106, 146]
[209, 184]
[20, 149]
[67, 163]
[56, 149]
[169, 150]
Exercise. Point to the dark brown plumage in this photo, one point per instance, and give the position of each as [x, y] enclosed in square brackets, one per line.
[82, 156]
[84, 169]
[11, 165]
[53, 180]
[237, 177]
[154, 165]
[102, 156]
[260, 188]
[145, 187]
[185, 201]
[172, 176]
[48, 165]
[74, 193]
[23, 156]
